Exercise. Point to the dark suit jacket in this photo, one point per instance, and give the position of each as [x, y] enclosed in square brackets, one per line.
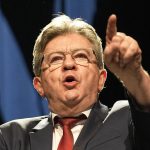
[103, 130]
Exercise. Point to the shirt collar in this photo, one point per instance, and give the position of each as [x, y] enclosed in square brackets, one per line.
[86, 113]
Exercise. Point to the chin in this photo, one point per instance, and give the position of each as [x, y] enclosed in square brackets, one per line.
[71, 103]
[70, 113]
[72, 95]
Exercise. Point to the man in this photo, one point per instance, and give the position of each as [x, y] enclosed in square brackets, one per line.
[70, 74]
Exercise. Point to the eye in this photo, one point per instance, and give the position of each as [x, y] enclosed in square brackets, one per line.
[81, 56]
[55, 59]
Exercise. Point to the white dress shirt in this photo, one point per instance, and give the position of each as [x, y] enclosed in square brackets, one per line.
[58, 132]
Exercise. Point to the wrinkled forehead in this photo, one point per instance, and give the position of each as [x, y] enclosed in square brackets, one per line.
[68, 42]
[70, 51]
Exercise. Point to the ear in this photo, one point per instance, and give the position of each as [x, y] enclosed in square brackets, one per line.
[38, 86]
[102, 79]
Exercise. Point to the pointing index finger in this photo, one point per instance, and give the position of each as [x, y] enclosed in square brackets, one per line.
[111, 28]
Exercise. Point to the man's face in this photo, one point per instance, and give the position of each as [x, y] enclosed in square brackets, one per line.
[69, 86]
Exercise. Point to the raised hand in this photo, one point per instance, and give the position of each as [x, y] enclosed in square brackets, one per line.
[122, 53]
[122, 56]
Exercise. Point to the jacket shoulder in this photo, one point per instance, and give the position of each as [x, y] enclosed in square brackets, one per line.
[119, 109]
[15, 133]
[25, 123]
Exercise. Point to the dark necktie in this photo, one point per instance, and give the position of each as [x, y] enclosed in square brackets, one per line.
[66, 142]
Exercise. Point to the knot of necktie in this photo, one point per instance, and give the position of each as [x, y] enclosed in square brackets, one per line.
[69, 121]
[66, 142]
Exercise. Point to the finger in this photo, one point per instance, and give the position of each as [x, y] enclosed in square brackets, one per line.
[124, 45]
[112, 50]
[111, 29]
[116, 46]
[110, 54]
[119, 44]
[132, 53]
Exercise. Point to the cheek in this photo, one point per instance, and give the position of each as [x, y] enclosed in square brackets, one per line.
[50, 83]
[90, 80]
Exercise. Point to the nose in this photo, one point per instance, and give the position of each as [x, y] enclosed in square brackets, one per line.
[69, 63]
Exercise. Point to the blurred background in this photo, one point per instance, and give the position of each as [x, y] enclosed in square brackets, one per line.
[22, 20]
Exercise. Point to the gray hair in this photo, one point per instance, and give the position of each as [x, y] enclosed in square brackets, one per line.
[60, 25]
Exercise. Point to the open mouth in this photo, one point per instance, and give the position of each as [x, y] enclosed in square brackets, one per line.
[70, 81]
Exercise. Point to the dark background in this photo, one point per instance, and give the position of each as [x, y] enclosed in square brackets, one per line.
[27, 18]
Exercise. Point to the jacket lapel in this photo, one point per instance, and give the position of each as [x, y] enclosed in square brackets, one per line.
[41, 136]
[93, 123]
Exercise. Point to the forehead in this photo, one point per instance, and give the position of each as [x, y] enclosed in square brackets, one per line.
[67, 42]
